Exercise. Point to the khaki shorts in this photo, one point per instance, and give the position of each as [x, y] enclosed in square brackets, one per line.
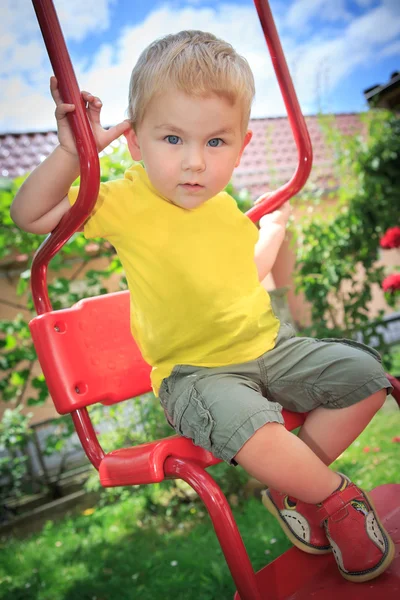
[220, 408]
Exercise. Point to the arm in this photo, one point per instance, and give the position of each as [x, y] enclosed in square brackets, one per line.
[42, 200]
[271, 236]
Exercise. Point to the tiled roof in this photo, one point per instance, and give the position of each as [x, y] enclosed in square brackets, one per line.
[271, 157]
[269, 160]
[22, 152]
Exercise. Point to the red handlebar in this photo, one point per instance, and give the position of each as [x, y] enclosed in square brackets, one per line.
[87, 150]
[296, 119]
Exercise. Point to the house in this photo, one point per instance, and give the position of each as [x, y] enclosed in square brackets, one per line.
[385, 95]
[270, 157]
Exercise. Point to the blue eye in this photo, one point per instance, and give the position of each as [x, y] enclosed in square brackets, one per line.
[172, 139]
[215, 142]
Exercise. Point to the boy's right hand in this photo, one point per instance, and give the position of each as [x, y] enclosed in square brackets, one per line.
[103, 137]
[280, 216]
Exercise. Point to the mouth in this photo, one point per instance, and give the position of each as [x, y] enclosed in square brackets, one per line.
[193, 187]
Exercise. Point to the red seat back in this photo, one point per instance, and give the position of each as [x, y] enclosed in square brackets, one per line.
[88, 355]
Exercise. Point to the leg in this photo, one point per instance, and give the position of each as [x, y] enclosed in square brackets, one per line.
[362, 547]
[227, 414]
[342, 388]
[340, 383]
[329, 432]
[302, 479]
[281, 460]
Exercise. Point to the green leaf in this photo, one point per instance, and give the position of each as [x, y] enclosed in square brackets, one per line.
[334, 247]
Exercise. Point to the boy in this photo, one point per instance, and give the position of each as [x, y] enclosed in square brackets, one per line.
[223, 365]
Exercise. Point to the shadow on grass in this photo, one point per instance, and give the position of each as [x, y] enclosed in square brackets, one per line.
[149, 564]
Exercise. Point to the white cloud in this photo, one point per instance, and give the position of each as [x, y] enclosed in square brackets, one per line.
[21, 57]
[301, 12]
[21, 44]
[319, 61]
[375, 27]
[391, 49]
[18, 31]
[25, 109]
[324, 61]
[24, 66]
[80, 17]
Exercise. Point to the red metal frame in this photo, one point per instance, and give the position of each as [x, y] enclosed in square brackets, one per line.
[224, 524]
[270, 202]
[90, 171]
[88, 156]
[173, 457]
[87, 150]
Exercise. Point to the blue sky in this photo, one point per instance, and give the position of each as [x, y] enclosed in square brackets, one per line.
[335, 49]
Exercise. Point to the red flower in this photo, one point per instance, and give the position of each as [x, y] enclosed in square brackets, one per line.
[391, 239]
[391, 283]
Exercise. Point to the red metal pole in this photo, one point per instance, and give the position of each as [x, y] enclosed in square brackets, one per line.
[396, 387]
[87, 436]
[296, 119]
[223, 521]
[88, 156]
[89, 187]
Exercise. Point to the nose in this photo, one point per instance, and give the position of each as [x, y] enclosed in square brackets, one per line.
[193, 159]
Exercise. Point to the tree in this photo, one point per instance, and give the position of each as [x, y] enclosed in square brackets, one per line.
[337, 252]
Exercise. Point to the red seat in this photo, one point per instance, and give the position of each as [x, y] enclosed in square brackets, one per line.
[145, 463]
[88, 355]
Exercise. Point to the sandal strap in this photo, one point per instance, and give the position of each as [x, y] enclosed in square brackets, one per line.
[338, 500]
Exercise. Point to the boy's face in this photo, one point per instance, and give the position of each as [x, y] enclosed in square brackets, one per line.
[189, 145]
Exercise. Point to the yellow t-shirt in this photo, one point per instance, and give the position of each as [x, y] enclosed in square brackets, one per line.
[194, 290]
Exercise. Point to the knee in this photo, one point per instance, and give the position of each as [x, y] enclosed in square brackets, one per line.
[377, 400]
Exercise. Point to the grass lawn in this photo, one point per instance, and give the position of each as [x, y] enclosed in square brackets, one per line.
[126, 552]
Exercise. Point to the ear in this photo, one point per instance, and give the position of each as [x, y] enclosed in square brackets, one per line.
[133, 144]
[246, 141]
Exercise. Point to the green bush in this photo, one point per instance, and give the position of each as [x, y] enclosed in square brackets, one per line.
[338, 249]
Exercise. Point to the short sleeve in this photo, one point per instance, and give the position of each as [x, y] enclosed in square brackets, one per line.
[241, 217]
[100, 223]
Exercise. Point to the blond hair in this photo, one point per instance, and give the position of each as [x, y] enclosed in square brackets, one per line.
[194, 62]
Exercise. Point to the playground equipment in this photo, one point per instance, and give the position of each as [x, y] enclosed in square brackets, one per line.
[88, 355]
